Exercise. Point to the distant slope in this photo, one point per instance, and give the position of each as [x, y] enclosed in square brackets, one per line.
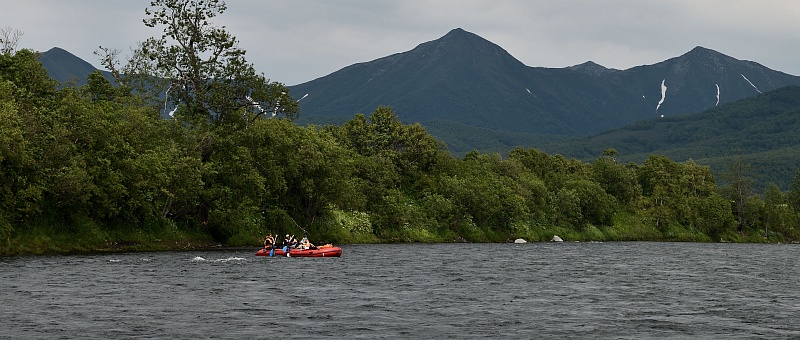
[465, 138]
[593, 69]
[65, 67]
[766, 122]
[763, 130]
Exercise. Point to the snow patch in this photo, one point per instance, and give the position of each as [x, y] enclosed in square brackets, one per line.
[166, 100]
[717, 95]
[529, 91]
[663, 94]
[751, 83]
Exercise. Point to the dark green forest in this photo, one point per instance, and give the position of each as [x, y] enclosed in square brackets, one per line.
[97, 168]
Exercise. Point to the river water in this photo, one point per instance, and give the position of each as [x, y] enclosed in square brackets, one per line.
[630, 290]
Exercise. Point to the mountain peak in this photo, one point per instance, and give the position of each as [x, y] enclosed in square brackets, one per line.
[698, 49]
[64, 66]
[456, 31]
[702, 52]
[593, 69]
[460, 36]
[59, 50]
[459, 44]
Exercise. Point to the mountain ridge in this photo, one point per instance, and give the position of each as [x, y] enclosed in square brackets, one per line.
[465, 78]
[475, 86]
[701, 78]
[472, 82]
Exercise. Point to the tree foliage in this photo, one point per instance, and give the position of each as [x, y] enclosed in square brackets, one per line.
[99, 165]
[200, 67]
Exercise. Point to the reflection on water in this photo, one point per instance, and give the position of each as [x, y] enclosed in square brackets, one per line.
[534, 290]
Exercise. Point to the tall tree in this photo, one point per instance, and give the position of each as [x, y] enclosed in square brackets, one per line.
[204, 72]
[9, 39]
[775, 209]
[794, 192]
[208, 86]
[741, 186]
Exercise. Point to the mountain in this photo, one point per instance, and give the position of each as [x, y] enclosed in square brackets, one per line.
[462, 79]
[65, 67]
[698, 80]
[473, 95]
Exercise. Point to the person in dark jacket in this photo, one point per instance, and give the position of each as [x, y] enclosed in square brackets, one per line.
[269, 241]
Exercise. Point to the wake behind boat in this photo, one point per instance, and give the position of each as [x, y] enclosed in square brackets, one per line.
[321, 251]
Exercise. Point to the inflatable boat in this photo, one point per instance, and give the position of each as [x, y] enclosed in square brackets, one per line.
[321, 251]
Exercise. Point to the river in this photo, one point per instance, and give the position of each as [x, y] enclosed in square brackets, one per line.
[627, 290]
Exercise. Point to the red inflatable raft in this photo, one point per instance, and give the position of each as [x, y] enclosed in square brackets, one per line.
[322, 251]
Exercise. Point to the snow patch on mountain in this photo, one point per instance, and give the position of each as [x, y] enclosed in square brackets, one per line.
[663, 94]
[717, 95]
[751, 83]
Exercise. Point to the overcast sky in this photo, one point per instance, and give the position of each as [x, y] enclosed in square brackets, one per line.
[294, 41]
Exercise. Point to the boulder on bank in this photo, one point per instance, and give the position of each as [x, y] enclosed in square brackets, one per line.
[556, 239]
[519, 240]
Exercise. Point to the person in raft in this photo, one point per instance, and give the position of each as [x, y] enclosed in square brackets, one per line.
[269, 241]
[289, 242]
[306, 244]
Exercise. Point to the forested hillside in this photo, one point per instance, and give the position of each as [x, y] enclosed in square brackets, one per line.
[95, 167]
[761, 130]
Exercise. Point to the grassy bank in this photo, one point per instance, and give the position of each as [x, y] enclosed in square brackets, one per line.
[42, 238]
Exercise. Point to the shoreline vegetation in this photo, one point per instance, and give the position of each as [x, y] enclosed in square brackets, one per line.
[65, 245]
[50, 240]
[188, 147]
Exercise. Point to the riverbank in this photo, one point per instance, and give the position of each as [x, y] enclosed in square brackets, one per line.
[53, 240]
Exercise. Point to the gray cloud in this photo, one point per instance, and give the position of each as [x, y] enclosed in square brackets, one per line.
[293, 41]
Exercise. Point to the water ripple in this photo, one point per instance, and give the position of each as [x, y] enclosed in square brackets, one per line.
[570, 290]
